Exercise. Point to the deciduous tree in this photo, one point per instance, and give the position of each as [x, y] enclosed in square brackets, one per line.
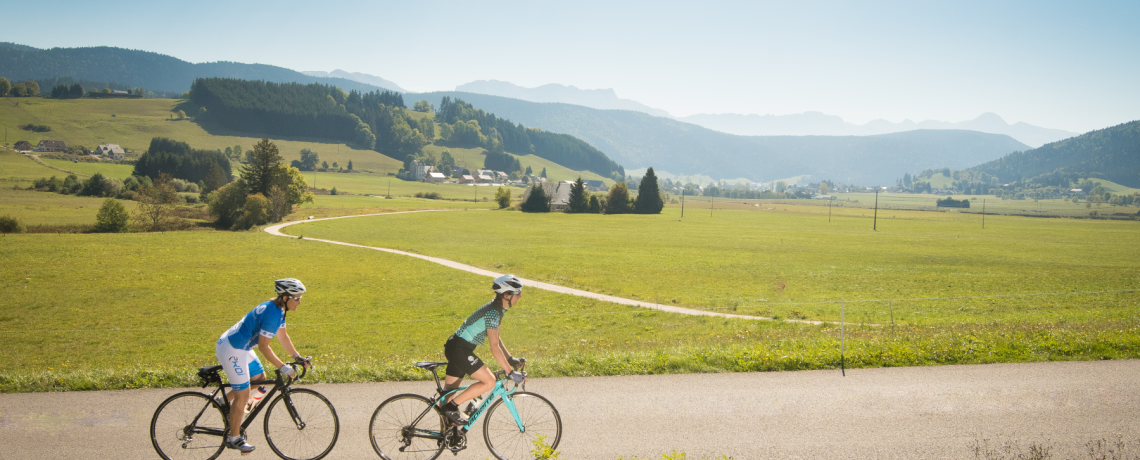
[617, 202]
[112, 217]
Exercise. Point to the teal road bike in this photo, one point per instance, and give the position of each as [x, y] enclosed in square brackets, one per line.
[412, 427]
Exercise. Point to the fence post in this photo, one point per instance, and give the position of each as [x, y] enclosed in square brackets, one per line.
[842, 337]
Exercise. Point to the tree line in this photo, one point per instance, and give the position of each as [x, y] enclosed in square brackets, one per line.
[618, 201]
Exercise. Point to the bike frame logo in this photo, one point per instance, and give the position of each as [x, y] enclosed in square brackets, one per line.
[237, 366]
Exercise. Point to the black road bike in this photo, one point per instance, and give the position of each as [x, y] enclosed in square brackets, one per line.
[299, 424]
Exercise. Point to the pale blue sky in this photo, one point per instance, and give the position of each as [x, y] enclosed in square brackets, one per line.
[1065, 65]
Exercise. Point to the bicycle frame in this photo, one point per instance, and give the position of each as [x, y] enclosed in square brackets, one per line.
[500, 391]
[278, 385]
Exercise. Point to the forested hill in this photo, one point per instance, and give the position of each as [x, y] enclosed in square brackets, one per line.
[379, 121]
[638, 140]
[1112, 153]
[141, 69]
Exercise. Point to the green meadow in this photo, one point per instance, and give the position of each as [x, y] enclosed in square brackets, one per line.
[114, 311]
[110, 311]
[790, 262]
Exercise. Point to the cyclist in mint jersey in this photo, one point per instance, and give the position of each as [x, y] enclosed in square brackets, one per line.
[460, 348]
[235, 350]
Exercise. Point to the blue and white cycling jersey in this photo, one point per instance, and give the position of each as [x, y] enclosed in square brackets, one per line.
[263, 320]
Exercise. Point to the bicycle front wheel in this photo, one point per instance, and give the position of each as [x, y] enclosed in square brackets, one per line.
[187, 426]
[511, 438]
[301, 424]
[407, 427]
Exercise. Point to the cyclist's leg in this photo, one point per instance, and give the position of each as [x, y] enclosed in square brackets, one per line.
[256, 371]
[235, 363]
[486, 383]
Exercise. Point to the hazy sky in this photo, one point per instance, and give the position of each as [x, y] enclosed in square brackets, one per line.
[1066, 65]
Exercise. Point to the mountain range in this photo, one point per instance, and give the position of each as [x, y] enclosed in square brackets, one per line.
[638, 140]
[142, 69]
[622, 129]
[357, 76]
[803, 124]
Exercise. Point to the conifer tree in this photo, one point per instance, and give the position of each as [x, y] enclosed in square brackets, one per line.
[578, 200]
[648, 195]
[537, 201]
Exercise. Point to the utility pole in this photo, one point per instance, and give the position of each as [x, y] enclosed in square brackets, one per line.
[829, 208]
[712, 199]
[983, 213]
[682, 203]
[875, 225]
[389, 189]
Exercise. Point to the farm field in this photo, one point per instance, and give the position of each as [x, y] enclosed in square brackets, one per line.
[789, 262]
[52, 209]
[151, 312]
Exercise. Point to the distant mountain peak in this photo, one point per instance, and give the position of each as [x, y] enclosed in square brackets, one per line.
[604, 99]
[816, 123]
[357, 77]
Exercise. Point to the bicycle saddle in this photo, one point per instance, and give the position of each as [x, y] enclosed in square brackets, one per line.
[429, 365]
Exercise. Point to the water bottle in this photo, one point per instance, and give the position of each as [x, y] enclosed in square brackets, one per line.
[472, 405]
[254, 397]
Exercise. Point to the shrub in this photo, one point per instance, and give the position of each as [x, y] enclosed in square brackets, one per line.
[254, 212]
[226, 203]
[429, 195]
[112, 217]
[618, 201]
[9, 224]
[503, 197]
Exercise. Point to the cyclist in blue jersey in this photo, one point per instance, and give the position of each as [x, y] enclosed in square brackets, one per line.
[460, 348]
[235, 350]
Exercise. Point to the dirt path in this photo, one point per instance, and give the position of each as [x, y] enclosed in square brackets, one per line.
[276, 230]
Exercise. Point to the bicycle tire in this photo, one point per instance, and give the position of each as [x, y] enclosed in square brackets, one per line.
[539, 417]
[312, 436]
[174, 435]
[392, 421]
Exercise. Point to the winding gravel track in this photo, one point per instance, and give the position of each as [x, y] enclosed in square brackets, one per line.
[276, 230]
[903, 413]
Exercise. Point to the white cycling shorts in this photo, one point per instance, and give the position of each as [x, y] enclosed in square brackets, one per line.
[239, 364]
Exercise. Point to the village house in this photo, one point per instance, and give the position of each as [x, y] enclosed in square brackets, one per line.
[595, 185]
[112, 151]
[558, 192]
[51, 146]
[23, 146]
[435, 177]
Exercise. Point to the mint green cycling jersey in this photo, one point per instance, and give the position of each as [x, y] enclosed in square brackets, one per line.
[474, 330]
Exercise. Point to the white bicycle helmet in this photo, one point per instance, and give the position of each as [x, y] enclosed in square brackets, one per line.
[507, 284]
[291, 286]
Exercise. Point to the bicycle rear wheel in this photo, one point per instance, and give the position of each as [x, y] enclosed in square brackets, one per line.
[301, 424]
[188, 425]
[538, 417]
[396, 433]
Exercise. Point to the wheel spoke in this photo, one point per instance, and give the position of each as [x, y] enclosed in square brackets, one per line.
[394, 426]
[301, 425]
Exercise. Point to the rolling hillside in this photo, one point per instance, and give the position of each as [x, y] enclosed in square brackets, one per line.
[1112, 153]
[637, 140]
[143, 69]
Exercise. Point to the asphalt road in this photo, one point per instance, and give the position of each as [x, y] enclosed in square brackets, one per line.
[926, 412]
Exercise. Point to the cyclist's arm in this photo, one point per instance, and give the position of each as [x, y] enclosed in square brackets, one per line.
[267, 351]
[497, 349]
[506, 353]
[287, 343]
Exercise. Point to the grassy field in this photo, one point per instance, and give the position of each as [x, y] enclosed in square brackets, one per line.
[144, 310]
[52, 209]
[89, 122]
[788, 261]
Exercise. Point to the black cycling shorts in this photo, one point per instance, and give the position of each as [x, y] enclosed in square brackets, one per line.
[461, 359]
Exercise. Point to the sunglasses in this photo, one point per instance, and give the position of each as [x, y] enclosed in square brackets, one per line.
[297, 298]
